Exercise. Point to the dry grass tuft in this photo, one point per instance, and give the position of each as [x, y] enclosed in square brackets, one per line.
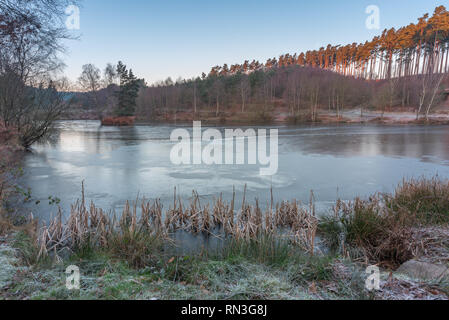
[427, 199]
[367, 229]
[383, 229]
[135, 232]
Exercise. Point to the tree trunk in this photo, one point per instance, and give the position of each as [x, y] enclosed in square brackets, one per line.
[218, 108]
[194, 98]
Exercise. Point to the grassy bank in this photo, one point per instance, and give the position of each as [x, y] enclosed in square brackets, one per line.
[261, 255]
[241, 270]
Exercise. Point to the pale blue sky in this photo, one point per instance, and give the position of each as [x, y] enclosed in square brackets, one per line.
[183, 38]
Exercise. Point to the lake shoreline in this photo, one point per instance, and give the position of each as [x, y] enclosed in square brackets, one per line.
[352, 116]
[139, 265]
[132, 265]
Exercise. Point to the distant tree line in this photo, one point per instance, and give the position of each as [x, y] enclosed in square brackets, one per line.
[418, 48]
[301, 89]
[405, 67]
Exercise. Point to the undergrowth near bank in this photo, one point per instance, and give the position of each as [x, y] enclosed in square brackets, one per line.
[270, 255]
[383, 229]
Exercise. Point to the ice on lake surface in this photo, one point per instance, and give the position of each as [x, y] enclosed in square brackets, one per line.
[120, 163]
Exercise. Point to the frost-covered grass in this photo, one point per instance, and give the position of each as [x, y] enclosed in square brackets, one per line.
[233, 272]
[228, 274]
[263, 266]
[8, 263]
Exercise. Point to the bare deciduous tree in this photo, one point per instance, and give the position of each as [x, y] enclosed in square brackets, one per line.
[109, 75]
[31, 33]
[90, 81]
[44, 105]
[427, 92]
[244, 90]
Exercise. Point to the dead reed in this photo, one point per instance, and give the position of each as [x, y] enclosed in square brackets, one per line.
[89, 226]
[380, 229]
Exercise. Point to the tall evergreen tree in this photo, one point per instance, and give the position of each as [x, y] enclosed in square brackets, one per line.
[128, 92]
